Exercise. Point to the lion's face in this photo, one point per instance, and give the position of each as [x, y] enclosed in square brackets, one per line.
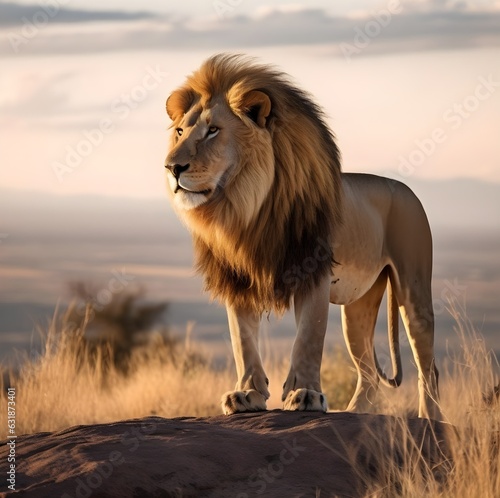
[203, 153]
[209, 158]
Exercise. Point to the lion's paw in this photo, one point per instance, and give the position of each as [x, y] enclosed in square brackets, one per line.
[305, 400]
[243, 401]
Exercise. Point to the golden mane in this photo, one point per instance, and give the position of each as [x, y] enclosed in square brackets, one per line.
[257, 244]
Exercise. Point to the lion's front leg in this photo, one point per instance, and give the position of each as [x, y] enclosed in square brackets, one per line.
[302, 389]
[251, 390]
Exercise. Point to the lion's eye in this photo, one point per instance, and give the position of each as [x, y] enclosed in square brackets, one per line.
[179, 131]
[212, 130]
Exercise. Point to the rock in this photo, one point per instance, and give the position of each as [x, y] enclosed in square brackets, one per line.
[271, 454]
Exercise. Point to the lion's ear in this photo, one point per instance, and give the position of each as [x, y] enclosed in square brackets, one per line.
[257, 106]
[179, 103]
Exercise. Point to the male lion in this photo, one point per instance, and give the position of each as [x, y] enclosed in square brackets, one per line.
[254, 172]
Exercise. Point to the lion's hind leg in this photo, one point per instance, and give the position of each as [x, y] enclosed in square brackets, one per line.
[358, 323]
[418, 318]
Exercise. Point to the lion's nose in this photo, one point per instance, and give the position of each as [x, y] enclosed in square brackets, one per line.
[177, 169]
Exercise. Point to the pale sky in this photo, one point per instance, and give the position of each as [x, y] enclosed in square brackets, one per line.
[82, 103]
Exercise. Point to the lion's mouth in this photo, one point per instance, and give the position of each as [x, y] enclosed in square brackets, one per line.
[199, 192]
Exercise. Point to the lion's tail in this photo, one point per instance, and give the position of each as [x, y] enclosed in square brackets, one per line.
[393, 332]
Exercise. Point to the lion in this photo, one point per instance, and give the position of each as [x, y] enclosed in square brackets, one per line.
[254, 172]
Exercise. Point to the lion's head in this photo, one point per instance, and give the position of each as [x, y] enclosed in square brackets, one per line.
[210, 158]
[255, 174]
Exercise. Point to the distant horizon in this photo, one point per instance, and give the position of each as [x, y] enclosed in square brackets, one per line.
[141, 242]
[390, 174]
[443, 200]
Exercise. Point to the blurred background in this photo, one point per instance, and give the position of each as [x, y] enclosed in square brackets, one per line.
[411, 90]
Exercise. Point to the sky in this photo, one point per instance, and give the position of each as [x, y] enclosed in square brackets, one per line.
[204, 8]
[411, 91]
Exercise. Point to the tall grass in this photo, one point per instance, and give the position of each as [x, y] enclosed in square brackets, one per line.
[71, 383]
[74, 381]
[467, 462]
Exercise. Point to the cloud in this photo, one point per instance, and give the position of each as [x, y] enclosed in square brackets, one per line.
[415, 27]
[35, 94]
[12, 14]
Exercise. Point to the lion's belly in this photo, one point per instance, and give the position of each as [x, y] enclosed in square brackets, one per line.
[349, 283]
[361, 249]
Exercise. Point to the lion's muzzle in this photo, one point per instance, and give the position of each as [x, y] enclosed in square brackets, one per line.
[188, 192]
[176, 169]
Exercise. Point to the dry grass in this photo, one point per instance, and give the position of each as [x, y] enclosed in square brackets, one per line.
[468, 465]
[74, 383]
[70, 384]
